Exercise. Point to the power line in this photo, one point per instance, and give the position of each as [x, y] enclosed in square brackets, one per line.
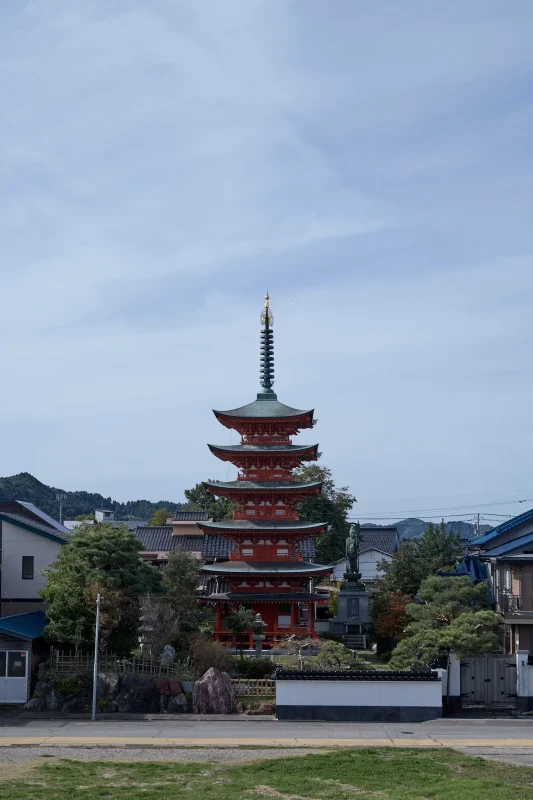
[451, 508]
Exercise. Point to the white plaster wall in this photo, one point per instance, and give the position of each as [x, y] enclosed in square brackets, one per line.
[367, 565]
[420, 694]
[18, 542]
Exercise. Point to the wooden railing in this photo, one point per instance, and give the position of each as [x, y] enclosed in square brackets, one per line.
[110, 662]
[254, 687]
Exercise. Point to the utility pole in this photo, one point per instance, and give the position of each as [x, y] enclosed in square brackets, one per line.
[95, 667]
[478, 526]
[61, 498]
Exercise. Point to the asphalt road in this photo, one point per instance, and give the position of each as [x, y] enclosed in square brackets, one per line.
[236, 739]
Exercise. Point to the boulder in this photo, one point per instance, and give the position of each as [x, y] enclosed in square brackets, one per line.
[74, 705]
[187, 686]
[137, 695]
[240, 708]
[213, 693]
[162, 686]
[35, 704]
[175, 688]
[53, 699]
[177, 704]
[108, 685]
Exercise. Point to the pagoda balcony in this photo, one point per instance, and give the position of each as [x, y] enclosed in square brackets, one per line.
[271, 513]
[265, 440]
[266, 474]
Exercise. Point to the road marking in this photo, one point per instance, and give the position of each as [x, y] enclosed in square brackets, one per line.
[163, 741]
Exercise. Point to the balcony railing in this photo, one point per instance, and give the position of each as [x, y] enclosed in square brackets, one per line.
[509, 603]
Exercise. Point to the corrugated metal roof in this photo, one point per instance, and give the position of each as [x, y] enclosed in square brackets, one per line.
[509, 547]
[46, 518]
[38, 527]
[190, 516]
[515, 522]
[26, 626]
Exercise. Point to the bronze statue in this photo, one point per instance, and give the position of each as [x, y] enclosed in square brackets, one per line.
[352, 549]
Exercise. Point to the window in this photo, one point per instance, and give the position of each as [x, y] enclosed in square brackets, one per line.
[283, 551]
[16, 665]
[27, 568]
[247, 551]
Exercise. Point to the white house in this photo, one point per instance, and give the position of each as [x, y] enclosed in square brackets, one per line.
[377, 544]
[104, 515]
[29, 541]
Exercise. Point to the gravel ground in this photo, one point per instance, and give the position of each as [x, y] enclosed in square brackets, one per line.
[16, 755]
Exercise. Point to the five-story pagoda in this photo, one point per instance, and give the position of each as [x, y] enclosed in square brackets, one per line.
[267, 570]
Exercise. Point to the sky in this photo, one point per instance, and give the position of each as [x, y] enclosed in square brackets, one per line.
[165, 161]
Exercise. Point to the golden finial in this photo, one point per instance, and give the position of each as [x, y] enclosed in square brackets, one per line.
[267, 300]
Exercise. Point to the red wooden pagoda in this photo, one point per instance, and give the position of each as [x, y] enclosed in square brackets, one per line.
[267, 568]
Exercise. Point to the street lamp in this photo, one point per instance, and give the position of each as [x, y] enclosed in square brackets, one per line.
[61, 498]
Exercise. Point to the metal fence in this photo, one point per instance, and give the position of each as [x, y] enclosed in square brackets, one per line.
[254, 687]
[71, 662]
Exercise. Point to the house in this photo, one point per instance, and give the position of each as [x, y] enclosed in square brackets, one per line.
[377, 544]
[21, 648]
[507, 553]
[29, 541]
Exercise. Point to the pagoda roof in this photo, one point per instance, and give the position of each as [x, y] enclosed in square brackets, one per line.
[251, 526]
[239, 449]
[265, 408]
[265, 568]
[275, 597]
[264, 486]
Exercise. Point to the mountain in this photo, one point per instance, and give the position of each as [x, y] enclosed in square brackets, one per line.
[25, 487]
[413, 528]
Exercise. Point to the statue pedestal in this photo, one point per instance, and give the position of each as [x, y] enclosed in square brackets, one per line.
[352, 620]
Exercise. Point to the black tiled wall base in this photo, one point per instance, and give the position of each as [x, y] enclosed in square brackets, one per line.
[359, 713]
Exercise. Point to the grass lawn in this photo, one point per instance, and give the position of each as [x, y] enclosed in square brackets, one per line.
[341, 775]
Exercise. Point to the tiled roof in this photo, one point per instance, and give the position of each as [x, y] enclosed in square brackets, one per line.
[383, 539]
[263, 448]
[244, 525]
[264, 486]
[38, 527]
[265, 567]
[190, 516]
[159, 539]
[264, 409]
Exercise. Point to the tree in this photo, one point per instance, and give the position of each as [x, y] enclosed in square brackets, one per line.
[405, 572]
[331, 506]
[160, 517]
[388, 612]
[84, 517]
[438, 549]
[202, 500]
[98, 558]
[452, 613]
[241, 622]
[163, 625]
[417, 559]
[181, 577]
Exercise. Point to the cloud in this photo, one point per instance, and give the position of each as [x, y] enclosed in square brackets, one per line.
[165, 162]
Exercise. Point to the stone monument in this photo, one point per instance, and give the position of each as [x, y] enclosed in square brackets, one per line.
[352, 620]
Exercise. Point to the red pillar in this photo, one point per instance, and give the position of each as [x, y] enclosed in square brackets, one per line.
[218, 618]
[294, 616]
[311, 618]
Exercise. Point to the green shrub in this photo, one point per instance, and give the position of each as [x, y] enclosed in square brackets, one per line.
[69, 685]
[385, 656]
[253, 667]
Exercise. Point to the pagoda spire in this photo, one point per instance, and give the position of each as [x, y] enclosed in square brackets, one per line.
[267, 353]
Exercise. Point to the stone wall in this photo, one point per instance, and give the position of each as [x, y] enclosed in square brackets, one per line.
[127, 694]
